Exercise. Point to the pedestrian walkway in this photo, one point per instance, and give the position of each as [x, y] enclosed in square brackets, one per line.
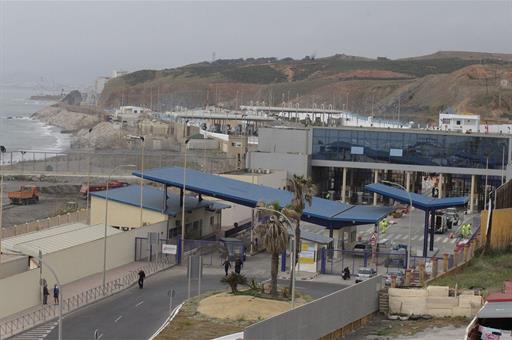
[37, 333]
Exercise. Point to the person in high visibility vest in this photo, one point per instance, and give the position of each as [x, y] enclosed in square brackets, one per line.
[465, 230]
[383, 225]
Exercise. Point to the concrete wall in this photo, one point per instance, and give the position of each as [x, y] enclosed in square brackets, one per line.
[321, 317]
[19, 292]
[276, 140]
[14, 266]
[77, 216]
[293, 164]
[433, 300]
[122, 215]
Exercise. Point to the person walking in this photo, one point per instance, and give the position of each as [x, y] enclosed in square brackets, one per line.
[142, 276]
[238, 266]
[45, 294]
[226, 265]
[56, 294]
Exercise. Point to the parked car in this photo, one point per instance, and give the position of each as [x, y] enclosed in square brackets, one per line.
[360, 248]
[452, 217]
[365, 273]
[399, 277]
[397, 257]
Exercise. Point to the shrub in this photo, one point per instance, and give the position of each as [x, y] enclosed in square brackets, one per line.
[233, 280]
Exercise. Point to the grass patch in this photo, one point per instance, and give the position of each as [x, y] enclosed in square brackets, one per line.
[483, 271]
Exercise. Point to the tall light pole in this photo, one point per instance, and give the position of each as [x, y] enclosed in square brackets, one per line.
[2, 151]
[410, 218]
[142, 143]
[183, 201]
[89, 173]
[294, 247]
[106, 220]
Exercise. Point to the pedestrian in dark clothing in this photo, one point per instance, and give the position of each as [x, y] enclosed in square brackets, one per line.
[142, 276]
[226, 265]
[56, 294]
[45, 294]
[238, 266]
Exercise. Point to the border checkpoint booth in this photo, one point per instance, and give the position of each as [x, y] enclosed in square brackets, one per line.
[332, 215]
[428, 204]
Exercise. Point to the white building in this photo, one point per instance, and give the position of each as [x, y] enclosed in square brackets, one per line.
[130, 115]
[100, 84]
[459, 122]
[116, 74]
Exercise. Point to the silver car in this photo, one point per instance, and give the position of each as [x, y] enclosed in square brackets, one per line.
[365, 273]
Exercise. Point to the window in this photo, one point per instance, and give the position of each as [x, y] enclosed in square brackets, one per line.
[357, 150]
[458, 122]
[396, 152]
[212, 220]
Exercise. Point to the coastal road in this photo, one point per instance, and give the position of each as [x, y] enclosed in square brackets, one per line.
[138, 313]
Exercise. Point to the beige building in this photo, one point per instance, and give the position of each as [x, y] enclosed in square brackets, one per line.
[202, 220]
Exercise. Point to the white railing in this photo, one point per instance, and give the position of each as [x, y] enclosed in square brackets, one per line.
[46, 313]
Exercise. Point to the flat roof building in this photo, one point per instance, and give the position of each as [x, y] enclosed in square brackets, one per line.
[343, 160]
[202, 221]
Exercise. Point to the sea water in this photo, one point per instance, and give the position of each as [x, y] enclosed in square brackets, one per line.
[19, 132]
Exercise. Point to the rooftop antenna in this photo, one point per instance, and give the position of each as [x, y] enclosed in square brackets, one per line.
[213, 56]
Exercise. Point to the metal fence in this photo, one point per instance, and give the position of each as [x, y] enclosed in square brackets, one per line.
[79, 162]
[144, 251]
[46, 313]
[212, 252]
[336, 260]
[321, 317]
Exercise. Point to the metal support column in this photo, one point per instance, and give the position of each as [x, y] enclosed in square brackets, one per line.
[472, 194]
[344, 185]
[432, 229]
[425, 233]
[376, 180]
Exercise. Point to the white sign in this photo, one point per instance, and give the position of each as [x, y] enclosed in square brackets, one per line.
[169, 249]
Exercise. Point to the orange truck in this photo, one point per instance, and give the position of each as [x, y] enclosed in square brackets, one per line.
[26, 195]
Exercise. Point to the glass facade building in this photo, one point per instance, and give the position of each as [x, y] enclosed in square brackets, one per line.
[410, 147]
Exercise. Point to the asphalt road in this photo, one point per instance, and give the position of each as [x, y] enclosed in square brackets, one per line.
[133, 314]
[137, 313]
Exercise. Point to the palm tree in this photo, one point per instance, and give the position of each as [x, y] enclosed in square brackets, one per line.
[303, 192]
[274, 236]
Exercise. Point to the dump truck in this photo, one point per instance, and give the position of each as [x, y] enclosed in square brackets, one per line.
[26, 195]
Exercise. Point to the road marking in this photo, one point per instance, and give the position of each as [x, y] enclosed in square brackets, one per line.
[38, 333]
[140, 303]
[453, 240]
[118, 318]
[414, 237]
[421, 238]
[446, 239]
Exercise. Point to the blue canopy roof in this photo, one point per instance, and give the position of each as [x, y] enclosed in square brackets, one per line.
[153, 200]
[323, 212]
[418, 201]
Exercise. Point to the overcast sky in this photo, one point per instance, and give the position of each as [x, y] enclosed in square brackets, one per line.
[75, 42]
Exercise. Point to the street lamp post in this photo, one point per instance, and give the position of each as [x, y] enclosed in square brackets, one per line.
[183, 202]
[410, 218]
[106, 221]
[40, 261]
[294, 247]
[142, 144]
[2, 151]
